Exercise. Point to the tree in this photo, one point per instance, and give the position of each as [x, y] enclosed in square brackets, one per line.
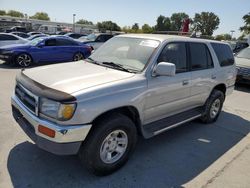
[206, 22]
[40, 16]
[135, 27]
[223, 37]
[163, 23]
[2, 12]
[147, 29]
[14, 13]
[85, 22]
[177, 20]
[108, 25]
[246, 27]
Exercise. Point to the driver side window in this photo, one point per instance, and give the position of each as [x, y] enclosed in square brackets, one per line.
[175, 53]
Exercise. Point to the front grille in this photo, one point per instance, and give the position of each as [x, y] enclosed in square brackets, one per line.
[28, 100]
[243, 71]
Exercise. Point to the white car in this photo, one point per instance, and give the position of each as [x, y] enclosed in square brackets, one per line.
[95, 40]
[242, 60]
[8, 38]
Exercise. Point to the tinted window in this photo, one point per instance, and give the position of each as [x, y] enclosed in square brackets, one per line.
[7, 37]
[175, 53]
[200, 56]
[107, 37]
[101, 38]
[224, 54]
[50, 42]
[65, 42]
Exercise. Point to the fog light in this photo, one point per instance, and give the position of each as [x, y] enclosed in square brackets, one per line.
[46, 131]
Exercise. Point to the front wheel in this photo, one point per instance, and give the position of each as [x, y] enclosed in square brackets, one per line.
[109, 145]
[23, 60]
[213, 106]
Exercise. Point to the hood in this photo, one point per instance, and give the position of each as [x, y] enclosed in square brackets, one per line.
[74, 76]
[242, 62]
[15, 46]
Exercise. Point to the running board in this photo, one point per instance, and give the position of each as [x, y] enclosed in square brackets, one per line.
[165, 124]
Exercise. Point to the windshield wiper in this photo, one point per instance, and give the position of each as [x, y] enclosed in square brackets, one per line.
[92, 61]
[119, 66]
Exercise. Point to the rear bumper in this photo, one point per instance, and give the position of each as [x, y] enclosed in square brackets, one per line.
[67, 140]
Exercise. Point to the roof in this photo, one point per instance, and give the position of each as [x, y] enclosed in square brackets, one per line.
[162, 37]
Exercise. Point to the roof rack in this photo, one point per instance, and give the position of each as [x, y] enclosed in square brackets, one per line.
[185, 34]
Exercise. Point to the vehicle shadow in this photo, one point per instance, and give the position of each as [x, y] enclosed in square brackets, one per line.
[168, 160]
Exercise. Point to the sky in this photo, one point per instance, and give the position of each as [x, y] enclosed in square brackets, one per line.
[128, 12]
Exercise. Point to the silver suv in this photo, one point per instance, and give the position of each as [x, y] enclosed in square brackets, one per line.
[132, 85]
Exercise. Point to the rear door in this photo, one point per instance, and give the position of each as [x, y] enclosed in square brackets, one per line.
[202, 73]
[66, 49]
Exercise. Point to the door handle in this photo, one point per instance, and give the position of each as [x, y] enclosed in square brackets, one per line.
[213, 77]
[185, 82]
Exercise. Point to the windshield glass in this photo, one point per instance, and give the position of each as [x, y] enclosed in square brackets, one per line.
[244, 53]
[131, 53]
[35, 41]
[91, 37]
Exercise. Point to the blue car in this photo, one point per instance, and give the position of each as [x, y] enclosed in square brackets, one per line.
[44, 50]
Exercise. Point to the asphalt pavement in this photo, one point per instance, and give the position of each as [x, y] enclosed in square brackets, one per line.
[192, 155]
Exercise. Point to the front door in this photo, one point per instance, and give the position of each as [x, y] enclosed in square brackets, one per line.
[169, 95]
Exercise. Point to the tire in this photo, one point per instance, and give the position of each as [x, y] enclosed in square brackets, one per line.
[94, 149]
[23, 60]
[78, 56]
[213, 107]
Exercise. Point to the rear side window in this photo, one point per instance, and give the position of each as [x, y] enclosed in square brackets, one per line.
[200, 56]
[7, 37]
[224, 54]
[65, 42]
[175, 53]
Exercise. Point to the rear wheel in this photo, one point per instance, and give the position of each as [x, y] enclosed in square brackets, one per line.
[78, 56]
[213, 106]
[23, 60]
[108, 146]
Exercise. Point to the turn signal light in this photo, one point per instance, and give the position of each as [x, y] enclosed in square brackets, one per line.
[46, 131]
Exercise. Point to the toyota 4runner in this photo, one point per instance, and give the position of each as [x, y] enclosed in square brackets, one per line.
[132, 85]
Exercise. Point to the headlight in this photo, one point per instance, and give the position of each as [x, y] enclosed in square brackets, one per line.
[56, 110]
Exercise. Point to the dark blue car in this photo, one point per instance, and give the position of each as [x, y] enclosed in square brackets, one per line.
[45, 49]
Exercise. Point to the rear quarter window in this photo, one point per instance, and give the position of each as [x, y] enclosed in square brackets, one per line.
[224, 54]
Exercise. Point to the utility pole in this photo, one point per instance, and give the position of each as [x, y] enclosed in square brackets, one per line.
[74, 15]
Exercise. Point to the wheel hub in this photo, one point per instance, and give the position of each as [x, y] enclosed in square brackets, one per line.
[114, 146]
[215, 108]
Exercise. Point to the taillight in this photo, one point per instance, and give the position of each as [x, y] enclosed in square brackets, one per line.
[90, 48]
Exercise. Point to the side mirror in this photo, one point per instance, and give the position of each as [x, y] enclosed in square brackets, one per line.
[165, 69]
[40, 45]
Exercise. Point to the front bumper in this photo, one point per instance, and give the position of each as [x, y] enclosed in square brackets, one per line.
[6, 57]
[67, 140]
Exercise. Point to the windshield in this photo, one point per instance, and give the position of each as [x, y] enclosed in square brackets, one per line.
[232, 45]
[244, 53]
[91, 37]
[131, 53]
[35, 41]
